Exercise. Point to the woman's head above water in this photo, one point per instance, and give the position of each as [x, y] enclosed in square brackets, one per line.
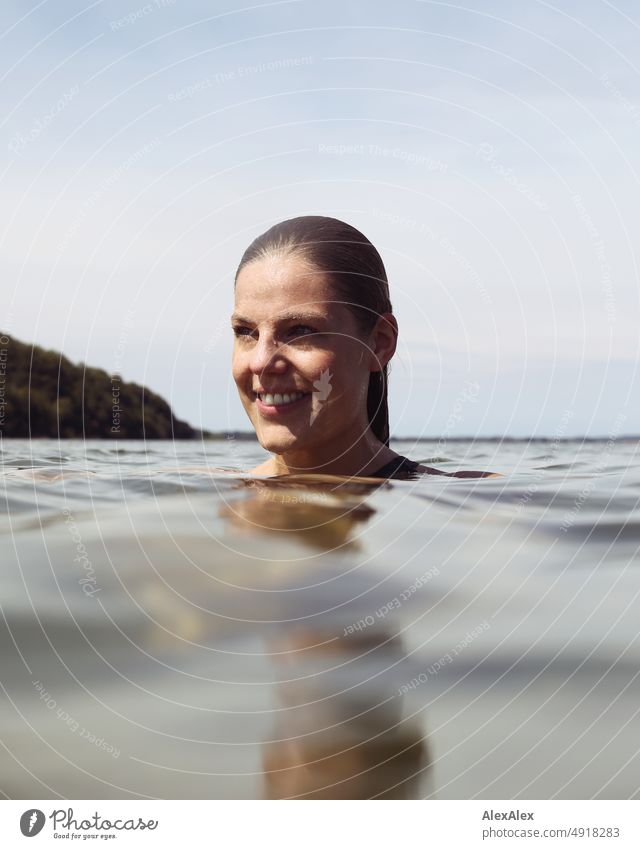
[313, 321]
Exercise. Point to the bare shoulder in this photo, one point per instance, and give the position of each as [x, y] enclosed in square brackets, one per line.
[263, 469]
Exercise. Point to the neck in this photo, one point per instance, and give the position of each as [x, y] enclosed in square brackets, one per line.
[359, 456]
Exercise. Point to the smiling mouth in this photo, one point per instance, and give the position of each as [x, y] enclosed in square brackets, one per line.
[277, 399]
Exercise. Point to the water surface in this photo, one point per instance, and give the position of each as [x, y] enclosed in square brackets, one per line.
[172, 629]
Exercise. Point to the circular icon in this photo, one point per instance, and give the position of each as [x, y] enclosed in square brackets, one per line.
[31, 822]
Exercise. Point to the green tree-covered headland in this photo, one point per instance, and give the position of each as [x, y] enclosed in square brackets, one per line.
[42, 393]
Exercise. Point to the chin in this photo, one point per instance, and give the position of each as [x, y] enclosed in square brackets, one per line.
[279, 442]
[275, 444]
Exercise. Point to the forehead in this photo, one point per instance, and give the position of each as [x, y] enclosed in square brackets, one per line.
[277, 283]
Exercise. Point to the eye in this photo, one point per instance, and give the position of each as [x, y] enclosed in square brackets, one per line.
[301, 330]
[240, 330]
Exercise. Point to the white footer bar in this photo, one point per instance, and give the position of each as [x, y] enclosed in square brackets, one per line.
[309, 824]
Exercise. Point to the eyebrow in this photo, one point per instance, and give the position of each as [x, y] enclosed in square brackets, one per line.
[292, 316]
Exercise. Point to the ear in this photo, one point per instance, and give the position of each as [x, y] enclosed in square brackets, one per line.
[384, 338]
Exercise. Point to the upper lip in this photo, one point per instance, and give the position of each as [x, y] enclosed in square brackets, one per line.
[290, 391]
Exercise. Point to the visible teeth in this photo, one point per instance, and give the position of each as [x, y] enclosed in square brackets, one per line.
[279, 400]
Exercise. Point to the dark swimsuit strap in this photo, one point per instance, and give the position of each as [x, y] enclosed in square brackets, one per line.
[397, 466]
[403, 467]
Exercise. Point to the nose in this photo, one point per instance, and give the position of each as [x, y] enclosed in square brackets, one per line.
[267, 357]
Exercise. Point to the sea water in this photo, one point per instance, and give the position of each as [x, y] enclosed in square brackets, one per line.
[173, 628]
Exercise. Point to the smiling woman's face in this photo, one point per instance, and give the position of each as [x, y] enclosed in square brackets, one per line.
[293, 339]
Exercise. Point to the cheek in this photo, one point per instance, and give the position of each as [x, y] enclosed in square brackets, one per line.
[347, 364]
[239, 367]
[311, 364]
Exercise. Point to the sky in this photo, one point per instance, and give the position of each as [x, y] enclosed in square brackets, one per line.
[489, 150]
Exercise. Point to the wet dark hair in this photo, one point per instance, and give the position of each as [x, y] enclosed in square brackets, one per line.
[357, 273]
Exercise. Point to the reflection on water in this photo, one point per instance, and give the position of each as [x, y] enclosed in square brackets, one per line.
[321, 514]
[329, 740]
[172, 631]
[347, 743]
